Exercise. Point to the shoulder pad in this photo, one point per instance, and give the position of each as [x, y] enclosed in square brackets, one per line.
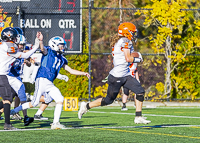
[126, 43]
[12, 48]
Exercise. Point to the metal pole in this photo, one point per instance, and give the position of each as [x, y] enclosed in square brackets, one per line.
[19, 14]
[91, 2]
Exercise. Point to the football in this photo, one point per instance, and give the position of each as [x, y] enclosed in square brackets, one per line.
[135, 54]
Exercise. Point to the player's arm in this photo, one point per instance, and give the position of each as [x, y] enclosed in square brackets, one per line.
[128, 56]
[126, 46]
[75, 72]
[27, 62]
[43, 50]
[26, 55]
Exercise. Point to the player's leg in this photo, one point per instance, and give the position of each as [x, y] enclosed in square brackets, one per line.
[38, 114]
[112, 92]
[124, 99]
[5, 92]
[16, 104]
[45, 99]
[39, 89]
[55, 93]
[136, 87]
[19, 88]
[43, 106]
[1, 110]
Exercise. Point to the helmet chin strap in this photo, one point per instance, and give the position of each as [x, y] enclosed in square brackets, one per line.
[60, 51]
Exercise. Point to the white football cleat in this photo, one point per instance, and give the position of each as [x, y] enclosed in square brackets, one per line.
[57, 125]
[141, 120]
[82, 110]
[124, 109]
[144, 117]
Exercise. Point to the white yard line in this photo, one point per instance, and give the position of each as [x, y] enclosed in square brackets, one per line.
[147, 114]
[111, 127]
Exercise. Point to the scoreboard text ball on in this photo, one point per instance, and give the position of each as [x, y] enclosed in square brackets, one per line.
[70, 104]
[52, 17]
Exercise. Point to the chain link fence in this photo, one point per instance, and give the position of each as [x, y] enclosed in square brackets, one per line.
[77, 24]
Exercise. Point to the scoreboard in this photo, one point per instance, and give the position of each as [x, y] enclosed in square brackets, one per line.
[51, 17]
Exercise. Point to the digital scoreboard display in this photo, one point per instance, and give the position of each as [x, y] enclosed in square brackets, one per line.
[51, 17]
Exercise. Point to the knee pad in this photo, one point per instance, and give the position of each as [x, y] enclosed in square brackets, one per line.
[103, 103]
[140, 97]
[45, 103]
[106, 101]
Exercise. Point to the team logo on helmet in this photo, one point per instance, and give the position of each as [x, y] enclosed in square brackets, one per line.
[55, 42]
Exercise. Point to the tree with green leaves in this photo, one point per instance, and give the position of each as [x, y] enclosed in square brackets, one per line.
[170, 18]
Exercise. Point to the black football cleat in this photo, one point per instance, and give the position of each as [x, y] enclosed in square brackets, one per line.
[28, 120]
[9, 127]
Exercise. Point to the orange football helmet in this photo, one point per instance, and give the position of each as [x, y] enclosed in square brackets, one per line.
[127, 30]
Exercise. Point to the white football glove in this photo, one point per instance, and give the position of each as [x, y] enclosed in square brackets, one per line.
[62, 77]
[65, 78]
[140, 56]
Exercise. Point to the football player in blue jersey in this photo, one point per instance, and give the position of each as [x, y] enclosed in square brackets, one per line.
[16, 82]
[51, 62]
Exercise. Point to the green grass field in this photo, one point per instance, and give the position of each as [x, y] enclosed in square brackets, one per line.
[110, 124]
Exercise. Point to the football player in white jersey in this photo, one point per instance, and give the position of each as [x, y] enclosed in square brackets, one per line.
[52, 61]
[8, 53]
[120, 75]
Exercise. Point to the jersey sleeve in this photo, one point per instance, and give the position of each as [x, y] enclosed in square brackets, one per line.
[126, 43]
[65, 60]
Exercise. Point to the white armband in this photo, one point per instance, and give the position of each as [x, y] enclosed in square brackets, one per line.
[137, 60]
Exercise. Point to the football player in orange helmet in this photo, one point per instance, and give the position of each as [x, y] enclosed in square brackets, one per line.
[128, 30]
[120, 75]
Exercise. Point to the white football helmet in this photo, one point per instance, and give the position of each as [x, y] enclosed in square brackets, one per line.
[22, 39]
[55, 42]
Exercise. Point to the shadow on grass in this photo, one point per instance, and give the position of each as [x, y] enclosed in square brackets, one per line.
[156, 126]
[78, 124]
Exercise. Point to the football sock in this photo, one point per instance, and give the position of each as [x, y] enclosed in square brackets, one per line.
[39, 112]
[87, 106]
[6, 107]
[124, 104]
[17, 101]
[138, 113]
[1, 105]
[57, 113]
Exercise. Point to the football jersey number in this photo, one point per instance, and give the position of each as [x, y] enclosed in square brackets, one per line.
[56, 63]
[126, 45]
[12, 49]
